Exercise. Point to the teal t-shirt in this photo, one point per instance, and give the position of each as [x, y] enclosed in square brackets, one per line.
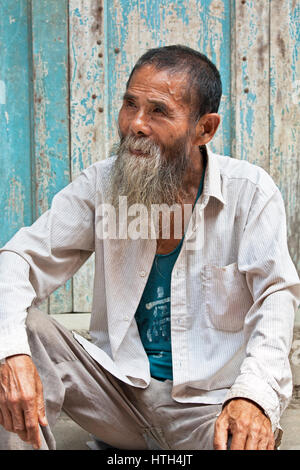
[153, 314]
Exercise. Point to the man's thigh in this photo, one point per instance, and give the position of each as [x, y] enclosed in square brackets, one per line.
[196, 430]
[177, 426]
[191, 427]
[74, 382]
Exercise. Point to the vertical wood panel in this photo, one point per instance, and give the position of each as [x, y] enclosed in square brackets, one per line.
[217, 46]
[285, 113]
[15, 163]
[86, 46]
[88, 127]
[250, 82]
[120, 33]
[135, 26]
[51, 114]
[260, 104]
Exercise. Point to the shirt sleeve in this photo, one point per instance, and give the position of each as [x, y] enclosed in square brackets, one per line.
[16, 294]
[265, 375]
[40, 258]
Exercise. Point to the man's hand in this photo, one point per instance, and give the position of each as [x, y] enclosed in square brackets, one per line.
[21, 399]
[250, 428]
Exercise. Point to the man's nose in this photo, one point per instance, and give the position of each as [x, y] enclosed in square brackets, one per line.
[140, 124]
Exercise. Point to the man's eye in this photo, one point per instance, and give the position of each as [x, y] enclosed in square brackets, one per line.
[158, 110]
[130, 104]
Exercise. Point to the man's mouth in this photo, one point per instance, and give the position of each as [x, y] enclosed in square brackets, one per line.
[137, 152]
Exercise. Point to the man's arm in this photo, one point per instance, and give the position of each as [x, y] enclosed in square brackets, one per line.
[16, 295]
[255, 402]
[35, 262]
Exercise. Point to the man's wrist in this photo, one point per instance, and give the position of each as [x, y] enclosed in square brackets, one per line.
[246, 399]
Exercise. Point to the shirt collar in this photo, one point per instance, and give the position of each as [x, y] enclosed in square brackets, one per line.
[212, 178]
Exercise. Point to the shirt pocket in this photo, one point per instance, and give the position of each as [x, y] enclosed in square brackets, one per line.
[227, 297]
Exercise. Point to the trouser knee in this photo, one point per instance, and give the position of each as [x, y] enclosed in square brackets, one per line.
[36, 321]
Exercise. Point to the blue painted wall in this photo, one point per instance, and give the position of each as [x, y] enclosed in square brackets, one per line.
[63, 69]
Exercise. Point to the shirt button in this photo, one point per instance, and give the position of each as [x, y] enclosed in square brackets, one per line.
[126, 318]
[142, 273]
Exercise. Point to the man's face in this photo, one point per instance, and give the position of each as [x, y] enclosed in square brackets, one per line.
[155, 140]
[154, 108]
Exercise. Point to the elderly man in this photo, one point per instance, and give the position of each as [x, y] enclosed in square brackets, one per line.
[191, 333]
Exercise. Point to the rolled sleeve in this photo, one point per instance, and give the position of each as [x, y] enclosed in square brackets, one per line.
[62, 239]
[16, 295]
[40, 258]
[265, 374]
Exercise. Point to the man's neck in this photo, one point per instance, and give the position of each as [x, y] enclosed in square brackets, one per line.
[192, 183]
[194, 172]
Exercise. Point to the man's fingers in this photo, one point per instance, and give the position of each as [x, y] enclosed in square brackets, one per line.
[18, 420]
[266, 441]
[21, 398]
[17, 417]
[253, 441]
[32, 426]
[7, 419]
[42, 417]
[220, 435]
[40, 404]
[263, 444]
[239, 439]
[271, 443]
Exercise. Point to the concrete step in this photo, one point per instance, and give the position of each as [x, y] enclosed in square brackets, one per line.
[79, 322]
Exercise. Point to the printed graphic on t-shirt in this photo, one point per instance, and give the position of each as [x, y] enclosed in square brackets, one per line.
[159, 327]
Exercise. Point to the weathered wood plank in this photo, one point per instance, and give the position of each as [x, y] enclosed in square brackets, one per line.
[260, 104]
[96, 97]
[15, 167]
[217, 46]
[86, 45]
[51, 114]
[135, 26]
[250, 82]
[88, 126]
[285, 113]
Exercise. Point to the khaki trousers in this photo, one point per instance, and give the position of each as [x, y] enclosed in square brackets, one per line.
[123, 416]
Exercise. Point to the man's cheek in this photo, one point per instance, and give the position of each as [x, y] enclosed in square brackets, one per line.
[123, 123]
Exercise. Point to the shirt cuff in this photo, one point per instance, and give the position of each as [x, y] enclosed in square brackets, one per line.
[16, 343]
[255, 389]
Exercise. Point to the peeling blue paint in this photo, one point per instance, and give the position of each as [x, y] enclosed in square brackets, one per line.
[15, 167]
[39, 155]
[152, 14]
[51, 117]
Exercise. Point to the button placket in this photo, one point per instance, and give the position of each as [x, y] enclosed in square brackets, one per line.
[178, 306]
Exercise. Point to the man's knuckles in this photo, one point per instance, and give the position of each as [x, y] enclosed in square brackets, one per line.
[28, 400]
[220, 421]
[241, 429]
[13, 401]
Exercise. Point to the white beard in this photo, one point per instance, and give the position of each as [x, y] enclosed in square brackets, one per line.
[149, 178]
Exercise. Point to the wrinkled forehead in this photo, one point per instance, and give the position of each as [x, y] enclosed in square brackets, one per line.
[168, 83]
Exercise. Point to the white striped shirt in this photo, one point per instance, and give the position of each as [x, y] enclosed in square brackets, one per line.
[233, 298]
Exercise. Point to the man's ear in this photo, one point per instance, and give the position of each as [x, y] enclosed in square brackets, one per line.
[206, 128]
